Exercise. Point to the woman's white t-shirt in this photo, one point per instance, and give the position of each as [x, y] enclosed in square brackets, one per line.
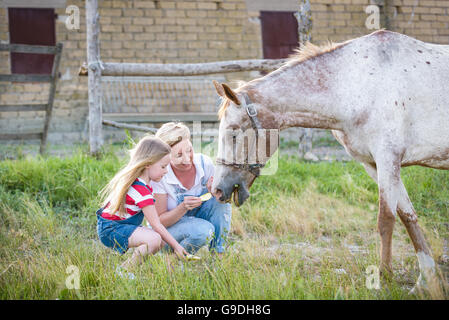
[170, 183]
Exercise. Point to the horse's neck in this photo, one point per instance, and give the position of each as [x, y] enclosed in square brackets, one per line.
[301, 95]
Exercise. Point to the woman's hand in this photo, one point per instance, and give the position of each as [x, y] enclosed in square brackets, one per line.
[191, 202]
[209, 184]
[209, 187]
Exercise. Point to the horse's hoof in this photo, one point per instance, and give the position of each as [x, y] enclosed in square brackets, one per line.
[421, 284]
[386, 272]
[417, 288]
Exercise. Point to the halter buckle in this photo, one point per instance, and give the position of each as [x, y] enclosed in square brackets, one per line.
[246, 102]
[252, 112]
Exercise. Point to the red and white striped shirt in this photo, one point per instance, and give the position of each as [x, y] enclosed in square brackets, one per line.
[137, 197]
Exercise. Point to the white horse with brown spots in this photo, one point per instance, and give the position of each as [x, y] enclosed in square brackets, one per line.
[384, 95]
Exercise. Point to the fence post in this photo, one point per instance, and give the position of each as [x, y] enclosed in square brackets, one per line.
[304, 17]
[51, 97]
[94, 76]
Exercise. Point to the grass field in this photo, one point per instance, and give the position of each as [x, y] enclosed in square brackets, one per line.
[308, 232]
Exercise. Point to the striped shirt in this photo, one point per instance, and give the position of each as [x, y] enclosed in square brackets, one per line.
[139, 195]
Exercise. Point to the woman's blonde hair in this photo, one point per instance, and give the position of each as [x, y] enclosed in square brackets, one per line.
[147, 151]
[173, 132]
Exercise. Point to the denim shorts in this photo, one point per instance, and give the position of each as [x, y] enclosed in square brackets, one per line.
[115, 233]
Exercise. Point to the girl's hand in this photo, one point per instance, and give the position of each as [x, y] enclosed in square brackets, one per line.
[191, 202]
[180, 252]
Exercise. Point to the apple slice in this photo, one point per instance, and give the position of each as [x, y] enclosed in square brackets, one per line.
[206, 196]
[191, 257]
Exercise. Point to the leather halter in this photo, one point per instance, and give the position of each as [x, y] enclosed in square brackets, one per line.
[252, 113]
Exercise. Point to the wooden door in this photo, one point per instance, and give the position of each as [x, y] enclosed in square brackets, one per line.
[35, 27]
[279, 34]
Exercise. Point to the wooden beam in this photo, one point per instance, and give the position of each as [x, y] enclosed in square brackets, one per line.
[145, 129]
[162, 117]
[22, 107]
[128, 126]
[186, 69]
[25, 77]
[94, 76]
[21, 136]
[26, 48]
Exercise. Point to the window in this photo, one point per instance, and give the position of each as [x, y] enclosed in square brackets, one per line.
[35, 27]
[279, 34]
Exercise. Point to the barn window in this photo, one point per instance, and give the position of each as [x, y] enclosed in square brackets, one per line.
[279, 34]
[35, 26]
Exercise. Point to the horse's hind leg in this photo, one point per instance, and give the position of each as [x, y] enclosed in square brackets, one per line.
[409, 219]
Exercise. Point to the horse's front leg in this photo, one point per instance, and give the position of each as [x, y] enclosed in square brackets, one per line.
[406, 212]
[388, 176]
[385, 177]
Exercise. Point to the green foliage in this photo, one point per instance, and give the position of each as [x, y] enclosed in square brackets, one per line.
[129, 141]
[65, 184]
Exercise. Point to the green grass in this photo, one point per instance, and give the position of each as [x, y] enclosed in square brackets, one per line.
[290, 240]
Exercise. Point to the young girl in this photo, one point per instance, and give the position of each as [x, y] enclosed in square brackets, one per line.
[128, 198]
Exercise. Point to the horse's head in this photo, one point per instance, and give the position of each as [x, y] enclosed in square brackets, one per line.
[244, 143]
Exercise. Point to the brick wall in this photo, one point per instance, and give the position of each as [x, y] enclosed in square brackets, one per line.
[340, 20]
[189, 31]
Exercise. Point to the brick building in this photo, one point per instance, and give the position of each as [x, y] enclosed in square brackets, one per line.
[184, 31]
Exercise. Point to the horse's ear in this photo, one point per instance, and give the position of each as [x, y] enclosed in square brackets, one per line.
[230, 94]
[219, 89]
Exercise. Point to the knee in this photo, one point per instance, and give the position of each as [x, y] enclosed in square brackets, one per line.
[228, 213]
[222, 212]
[387, 214]
[153, 242]
[407, 216]
[385, 226]
[207, 230]
[204, 231]
[386, 219]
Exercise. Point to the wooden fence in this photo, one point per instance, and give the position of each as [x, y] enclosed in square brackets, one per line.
[95, 68]
[51, 78]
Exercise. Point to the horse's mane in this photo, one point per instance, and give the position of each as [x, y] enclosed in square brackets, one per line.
[303, 53]
[309, 51]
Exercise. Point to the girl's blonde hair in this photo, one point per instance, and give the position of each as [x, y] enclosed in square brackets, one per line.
[173, 132]
[147, 151]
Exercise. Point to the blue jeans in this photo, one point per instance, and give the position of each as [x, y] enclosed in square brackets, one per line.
[115, 233]
[209, 223]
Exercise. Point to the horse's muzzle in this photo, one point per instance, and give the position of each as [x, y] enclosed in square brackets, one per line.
[238, 192]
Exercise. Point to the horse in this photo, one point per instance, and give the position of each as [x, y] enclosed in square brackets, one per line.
[384, 96]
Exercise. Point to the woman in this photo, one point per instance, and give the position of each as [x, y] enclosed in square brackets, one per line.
[191, 221]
